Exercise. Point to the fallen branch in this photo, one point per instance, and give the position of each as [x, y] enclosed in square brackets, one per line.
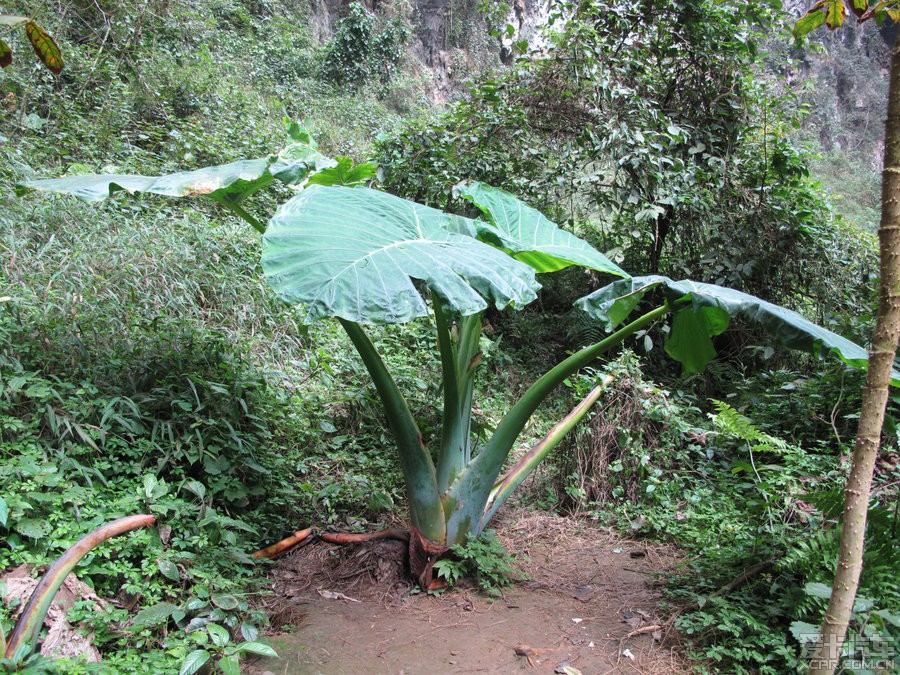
[744, 577]
[645, 629]
[739, 580]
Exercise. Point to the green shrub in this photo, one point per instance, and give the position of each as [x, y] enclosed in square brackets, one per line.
[364, 50]
[482, 559]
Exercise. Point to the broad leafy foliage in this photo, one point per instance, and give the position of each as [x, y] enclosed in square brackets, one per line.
[529, 236]
[643, 124]
[708, 313]
[353, 253]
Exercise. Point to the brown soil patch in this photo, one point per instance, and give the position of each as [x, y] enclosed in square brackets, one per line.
[587, 592]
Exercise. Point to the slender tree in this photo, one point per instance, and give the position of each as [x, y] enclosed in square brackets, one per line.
[825, 660]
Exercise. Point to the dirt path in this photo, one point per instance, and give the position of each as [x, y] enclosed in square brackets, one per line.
[587, 592]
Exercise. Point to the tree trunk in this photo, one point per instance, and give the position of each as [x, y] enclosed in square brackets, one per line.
[881, 361]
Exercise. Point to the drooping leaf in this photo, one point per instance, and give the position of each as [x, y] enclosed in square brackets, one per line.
[612, 304]
[808, 23]
[45, 47]
[835, 14]
[690, 341]
[226, 183]
[354, 252]
[12, 20]
[344, 173]
[5, 54]
[528, 235]
[237, 179]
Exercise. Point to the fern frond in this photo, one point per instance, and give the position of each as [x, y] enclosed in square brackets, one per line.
[732, 423]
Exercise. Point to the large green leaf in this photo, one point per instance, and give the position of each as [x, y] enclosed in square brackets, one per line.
[226, 183]
[528, 235]
[354, 252]
[344, 173]
[711, 307]
[808, 23]
[212, 181]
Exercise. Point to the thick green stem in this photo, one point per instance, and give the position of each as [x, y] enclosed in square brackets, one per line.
[452, 451]
[531, 459]
[28, 626]
[459, 357]
[425, 509]
[469, 494]
[243, 213]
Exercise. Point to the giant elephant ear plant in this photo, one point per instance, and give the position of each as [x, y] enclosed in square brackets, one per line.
[366, 257]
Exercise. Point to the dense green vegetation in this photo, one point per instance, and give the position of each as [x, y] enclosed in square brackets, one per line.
[144, 365]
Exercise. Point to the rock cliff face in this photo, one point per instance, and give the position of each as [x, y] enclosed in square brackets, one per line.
[449, 37]
[845, 74]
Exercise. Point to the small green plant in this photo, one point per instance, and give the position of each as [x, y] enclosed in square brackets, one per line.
[483, 559]
[218, 646]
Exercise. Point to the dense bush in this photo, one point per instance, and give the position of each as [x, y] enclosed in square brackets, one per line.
[143, 363]
[362, 52]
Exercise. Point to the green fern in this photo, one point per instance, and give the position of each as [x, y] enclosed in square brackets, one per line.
[731, 423]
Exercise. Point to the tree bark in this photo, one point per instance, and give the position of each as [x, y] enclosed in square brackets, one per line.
[878, 378]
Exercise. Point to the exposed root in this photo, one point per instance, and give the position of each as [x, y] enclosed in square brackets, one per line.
[351, 538]
[422, 556]
[422, 552]
[307, 536]
[299, 538]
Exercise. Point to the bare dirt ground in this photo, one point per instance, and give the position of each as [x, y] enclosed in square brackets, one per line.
[589, 606]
